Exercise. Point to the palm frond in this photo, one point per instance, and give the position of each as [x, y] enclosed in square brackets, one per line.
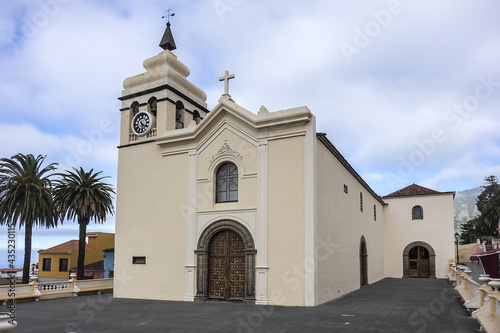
[83, 196]
[26, 191]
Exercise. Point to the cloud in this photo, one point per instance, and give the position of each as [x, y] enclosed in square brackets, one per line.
[28, 140]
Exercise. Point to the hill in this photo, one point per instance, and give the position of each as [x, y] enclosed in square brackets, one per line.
[465, 206]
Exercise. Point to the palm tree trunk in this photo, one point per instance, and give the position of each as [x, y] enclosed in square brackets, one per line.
[28, 231]
[80, 270]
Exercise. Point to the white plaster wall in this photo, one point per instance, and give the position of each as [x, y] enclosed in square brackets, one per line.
[150, 221]
[340, 227]
[286, 222]
[436, 229]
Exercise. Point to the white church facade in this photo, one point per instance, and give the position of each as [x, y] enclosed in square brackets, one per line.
[233, 205]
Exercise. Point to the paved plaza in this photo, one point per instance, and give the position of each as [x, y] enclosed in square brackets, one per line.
[390, 305]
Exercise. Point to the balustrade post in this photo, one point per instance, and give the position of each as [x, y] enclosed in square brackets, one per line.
[482, 294]
[72, 287]
[493, 295]
[35, 290]
[459, 280]
[484, 288]
[464, 275]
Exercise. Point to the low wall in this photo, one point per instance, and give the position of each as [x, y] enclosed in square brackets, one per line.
[465, 251]
[67, 288]
[480, 298]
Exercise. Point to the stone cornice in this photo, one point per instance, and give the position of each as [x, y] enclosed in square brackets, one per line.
[272, 121]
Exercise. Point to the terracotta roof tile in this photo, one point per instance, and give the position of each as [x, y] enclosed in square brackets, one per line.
[93, 266]
[66, 247]
[414, 190]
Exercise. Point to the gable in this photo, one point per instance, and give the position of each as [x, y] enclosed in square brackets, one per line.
[230, 144]
[262, 126]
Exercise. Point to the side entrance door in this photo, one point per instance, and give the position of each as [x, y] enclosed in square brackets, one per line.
[419, 262]
[226, 266]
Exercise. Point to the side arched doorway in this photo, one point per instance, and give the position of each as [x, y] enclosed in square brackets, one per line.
[363, 262]
[225, 267]
[419, 261]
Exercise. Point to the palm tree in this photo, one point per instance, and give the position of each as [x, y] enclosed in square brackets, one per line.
[82, 195]
[26, 197]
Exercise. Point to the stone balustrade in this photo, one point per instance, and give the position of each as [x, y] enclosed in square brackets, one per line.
[483, 300]
[36, 291]
[53, 286]
[151, 134]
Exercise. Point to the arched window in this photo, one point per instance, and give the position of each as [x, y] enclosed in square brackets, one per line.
[361, 202]
[227, 183]
[196, 117]
[134, 108]
[417, 213]
[153, 105]
[179, 115]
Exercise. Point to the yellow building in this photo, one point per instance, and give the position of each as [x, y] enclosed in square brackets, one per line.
[98, 242]
[55, 263]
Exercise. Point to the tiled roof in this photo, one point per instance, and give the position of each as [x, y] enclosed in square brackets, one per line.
[66, 247]
[94, 266]
[11, 269]
[414, 190]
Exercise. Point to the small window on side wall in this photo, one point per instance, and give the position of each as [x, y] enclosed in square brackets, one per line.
[417, 213]
[374, 213]
[346, 189]
[361, 202]
[139, 260]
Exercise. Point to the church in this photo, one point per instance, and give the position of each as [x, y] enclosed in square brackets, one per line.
[231, 205]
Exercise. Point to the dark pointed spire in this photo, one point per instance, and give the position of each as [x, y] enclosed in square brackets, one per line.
[167, 41]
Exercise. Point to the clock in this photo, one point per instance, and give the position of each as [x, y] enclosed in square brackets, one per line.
[141, 123]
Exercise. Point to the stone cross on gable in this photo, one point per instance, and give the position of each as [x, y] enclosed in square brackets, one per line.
[226, 79]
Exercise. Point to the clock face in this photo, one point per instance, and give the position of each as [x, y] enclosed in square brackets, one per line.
[141, 123]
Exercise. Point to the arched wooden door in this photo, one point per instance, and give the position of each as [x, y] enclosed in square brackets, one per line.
[226, 266]
[363, 263]
[419, 262]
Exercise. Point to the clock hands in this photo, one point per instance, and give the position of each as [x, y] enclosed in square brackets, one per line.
[141, 123]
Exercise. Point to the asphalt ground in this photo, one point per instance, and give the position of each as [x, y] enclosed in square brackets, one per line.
[390, 305]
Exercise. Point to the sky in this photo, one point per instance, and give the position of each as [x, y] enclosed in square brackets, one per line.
[408, 91]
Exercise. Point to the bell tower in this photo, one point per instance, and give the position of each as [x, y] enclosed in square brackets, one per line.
[161, 99]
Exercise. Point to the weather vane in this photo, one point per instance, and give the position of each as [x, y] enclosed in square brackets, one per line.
[168, 15]
[167, 41]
